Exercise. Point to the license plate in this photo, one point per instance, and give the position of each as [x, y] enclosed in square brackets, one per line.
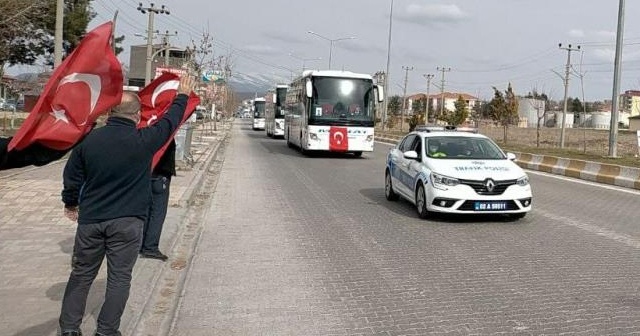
[490, 206]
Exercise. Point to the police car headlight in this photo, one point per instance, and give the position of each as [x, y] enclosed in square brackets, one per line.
[438, 179]
[313, 136]
[523, 181]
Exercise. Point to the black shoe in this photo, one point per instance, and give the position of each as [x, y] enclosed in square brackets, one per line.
[154, 255]
[71, 333]
[99, 334]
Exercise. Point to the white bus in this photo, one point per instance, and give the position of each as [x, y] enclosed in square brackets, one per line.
[258, 113]
[332, 111]
[274, 121]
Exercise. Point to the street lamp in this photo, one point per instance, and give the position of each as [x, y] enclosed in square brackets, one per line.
[305, 60]
[331, 41]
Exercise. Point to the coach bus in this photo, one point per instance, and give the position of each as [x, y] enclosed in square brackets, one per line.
[258, 113]
[332, 111]
[274, 120]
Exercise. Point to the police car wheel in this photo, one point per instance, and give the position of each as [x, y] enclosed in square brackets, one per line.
[388, 188]
[421, 202]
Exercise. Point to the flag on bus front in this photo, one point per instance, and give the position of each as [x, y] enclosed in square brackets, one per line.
[338, 140]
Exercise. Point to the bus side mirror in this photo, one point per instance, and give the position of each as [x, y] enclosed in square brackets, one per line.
[380, 91]
[274, 98]
[309, 89]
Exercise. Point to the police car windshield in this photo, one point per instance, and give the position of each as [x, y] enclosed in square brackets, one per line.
[462, 148]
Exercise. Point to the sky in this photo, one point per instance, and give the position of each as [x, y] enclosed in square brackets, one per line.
[484, 43]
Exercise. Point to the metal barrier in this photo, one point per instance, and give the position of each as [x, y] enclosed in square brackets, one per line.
[183, 139]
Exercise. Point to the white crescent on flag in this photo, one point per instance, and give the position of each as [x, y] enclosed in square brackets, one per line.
[338, 134]
[168, 85]
[93, 82]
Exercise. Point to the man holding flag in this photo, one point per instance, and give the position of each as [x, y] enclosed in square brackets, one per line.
[82, 88]
[155, 99]
[107, 191]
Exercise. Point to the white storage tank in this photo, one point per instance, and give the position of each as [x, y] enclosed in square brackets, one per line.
[529, 108]
[568, 123]
[601, 120]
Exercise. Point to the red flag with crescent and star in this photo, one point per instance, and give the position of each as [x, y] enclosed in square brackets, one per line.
[155, 100]
[338, 140]
[83, 87]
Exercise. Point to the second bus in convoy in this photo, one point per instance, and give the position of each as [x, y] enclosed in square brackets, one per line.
[258, 113]
[274, 121]
[332, 111]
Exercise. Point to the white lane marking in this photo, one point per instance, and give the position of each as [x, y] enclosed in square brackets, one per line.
[594, 184]
[619, 237]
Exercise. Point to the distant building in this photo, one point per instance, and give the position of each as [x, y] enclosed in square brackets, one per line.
[175, 58]
[435, 100]
[630, 102]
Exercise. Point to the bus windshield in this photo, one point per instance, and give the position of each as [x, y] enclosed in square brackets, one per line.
[258, 111]
[281, 96]
[342, 101]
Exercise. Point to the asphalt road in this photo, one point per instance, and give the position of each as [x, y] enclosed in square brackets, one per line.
[296, 245]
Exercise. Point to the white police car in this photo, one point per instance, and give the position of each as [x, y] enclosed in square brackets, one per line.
[444, 169]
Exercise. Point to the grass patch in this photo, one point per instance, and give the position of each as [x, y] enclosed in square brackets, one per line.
[629, 161]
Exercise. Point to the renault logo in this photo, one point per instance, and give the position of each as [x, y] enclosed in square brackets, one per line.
[490, 185]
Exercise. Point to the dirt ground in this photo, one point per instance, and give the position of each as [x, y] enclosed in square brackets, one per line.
[596, 140]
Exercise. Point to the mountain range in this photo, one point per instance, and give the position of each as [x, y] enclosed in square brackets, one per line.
[245, 85]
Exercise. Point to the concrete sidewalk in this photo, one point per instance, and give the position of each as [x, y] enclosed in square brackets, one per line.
[36, 241]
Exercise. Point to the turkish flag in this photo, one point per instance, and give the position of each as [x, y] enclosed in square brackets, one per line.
[155, 100]
[87, 84]
[338, 140]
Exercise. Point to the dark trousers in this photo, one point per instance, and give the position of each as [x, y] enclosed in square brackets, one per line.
[157, 214]
[118, 239]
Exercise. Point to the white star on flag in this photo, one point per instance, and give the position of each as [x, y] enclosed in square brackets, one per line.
[59, 115]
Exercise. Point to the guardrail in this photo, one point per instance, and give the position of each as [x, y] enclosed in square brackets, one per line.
[621, 176]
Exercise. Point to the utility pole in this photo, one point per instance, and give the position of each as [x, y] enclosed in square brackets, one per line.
[386, 74]
[442, 70]
[613, 129]
[569, 49]
[426, 108]
[151, 10]
[167, 45]
[404, 95]
[57, 43]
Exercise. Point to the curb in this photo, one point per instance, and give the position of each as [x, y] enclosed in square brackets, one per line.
[132, 327]
[621, 176]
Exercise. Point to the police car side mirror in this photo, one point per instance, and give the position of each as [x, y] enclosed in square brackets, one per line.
[411, 155]
[511, 156]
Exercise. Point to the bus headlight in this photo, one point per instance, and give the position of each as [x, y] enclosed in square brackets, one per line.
[369, 137]
[313, 136]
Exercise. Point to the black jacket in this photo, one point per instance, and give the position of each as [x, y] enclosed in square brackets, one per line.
[167, 165]
[34, 154]
[109, 173]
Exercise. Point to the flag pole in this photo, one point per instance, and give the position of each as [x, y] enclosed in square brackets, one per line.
[113, 31]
